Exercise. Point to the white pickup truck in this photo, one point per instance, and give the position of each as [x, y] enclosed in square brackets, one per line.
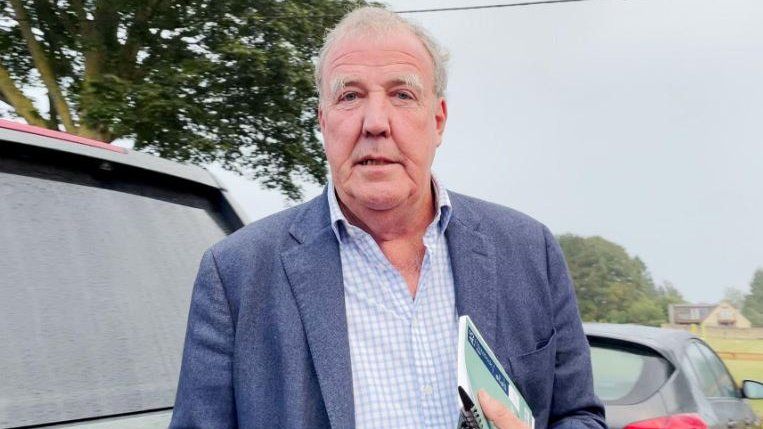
[99, 247]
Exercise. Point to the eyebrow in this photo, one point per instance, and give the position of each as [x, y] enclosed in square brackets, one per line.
[408, 79]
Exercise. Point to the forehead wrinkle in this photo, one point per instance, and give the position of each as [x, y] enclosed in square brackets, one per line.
[353, 56]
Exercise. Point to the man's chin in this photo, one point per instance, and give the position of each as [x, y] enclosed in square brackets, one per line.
[383, 203]
[382, 198]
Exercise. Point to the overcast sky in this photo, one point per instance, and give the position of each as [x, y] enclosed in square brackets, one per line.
[637, 120]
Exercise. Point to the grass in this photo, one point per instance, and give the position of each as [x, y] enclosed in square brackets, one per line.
[742, 369]
[733, 345]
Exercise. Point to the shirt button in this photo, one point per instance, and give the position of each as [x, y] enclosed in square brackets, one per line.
[427, 390]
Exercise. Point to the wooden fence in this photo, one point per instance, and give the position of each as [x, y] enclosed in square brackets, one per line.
[716, 332]
[740, 356]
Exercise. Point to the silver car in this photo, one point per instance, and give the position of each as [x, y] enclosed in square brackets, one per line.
[651, 378]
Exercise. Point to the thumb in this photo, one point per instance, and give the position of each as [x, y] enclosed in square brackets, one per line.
[497, 413]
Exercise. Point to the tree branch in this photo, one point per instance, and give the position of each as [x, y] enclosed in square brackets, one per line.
[98, 35]
[99, 39]
[43, 65]
[21, 104]
[129, 53]
[67, 21]
[58, 28]
[79, 10]
[90, 45]
[52, 115]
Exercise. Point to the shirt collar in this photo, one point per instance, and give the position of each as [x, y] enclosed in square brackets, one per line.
[340, 224]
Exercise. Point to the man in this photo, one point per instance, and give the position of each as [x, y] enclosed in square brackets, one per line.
[342, 312]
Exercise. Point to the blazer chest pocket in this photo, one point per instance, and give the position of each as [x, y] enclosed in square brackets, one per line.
[533, 373]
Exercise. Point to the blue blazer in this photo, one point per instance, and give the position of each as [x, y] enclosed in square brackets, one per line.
[267, 345]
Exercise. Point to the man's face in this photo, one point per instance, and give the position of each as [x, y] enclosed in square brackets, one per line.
[380, 119]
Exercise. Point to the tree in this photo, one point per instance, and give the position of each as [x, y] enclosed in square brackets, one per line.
[734, 296]
[227, 81]
[667, 294]
[610, 285]
[753, 303]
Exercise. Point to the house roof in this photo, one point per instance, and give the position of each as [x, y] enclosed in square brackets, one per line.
[680, 312]
[695, 305]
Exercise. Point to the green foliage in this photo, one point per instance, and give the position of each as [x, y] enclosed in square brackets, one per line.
[613, 287]
[753, 303]
[667, 294]
[228, 81]
[734, 296]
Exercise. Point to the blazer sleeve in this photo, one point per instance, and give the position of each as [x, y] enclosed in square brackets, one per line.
[574, 404]
[205, 391]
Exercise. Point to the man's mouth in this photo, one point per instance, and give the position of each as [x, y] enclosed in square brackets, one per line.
[375, 161]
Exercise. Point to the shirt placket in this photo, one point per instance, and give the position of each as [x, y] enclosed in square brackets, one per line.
[421, 340]
[418, 317]
[397, 288]
[382, 292]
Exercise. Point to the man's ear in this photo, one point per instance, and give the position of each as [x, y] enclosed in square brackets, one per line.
[440, 117]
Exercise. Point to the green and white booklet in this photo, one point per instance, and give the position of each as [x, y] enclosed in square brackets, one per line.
[479, 369]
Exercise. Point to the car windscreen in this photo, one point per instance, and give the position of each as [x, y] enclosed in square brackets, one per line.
[97, 264]
[626, 373]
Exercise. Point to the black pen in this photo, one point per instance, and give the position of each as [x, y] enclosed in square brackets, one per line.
[470, 415]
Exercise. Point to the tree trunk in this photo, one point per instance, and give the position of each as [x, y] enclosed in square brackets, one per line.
[43, 65]
[16, 99]
[52, 114]
[128, 67]
[97, 35]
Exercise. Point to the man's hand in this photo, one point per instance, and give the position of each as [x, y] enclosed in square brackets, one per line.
[498, 414]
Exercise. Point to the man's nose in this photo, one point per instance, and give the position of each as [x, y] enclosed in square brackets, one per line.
[376, 117]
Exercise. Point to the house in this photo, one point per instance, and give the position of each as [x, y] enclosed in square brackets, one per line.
[722, 315]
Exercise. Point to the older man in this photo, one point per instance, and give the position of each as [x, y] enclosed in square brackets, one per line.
[342, 312]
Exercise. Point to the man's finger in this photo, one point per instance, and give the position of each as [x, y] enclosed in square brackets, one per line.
[497, 413]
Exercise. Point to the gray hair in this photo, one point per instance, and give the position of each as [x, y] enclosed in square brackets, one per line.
[378, 21]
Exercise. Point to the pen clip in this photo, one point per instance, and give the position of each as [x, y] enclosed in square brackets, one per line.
[470, 415]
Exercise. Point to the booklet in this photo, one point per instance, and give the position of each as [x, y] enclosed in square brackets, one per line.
[478, 369]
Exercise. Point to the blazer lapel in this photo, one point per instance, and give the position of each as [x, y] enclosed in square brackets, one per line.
[314, 271]
[473, 259]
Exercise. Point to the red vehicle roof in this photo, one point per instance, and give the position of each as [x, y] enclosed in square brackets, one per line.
[10, 125]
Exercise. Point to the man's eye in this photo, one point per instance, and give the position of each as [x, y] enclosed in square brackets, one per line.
[403, 95]
[349, 96]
